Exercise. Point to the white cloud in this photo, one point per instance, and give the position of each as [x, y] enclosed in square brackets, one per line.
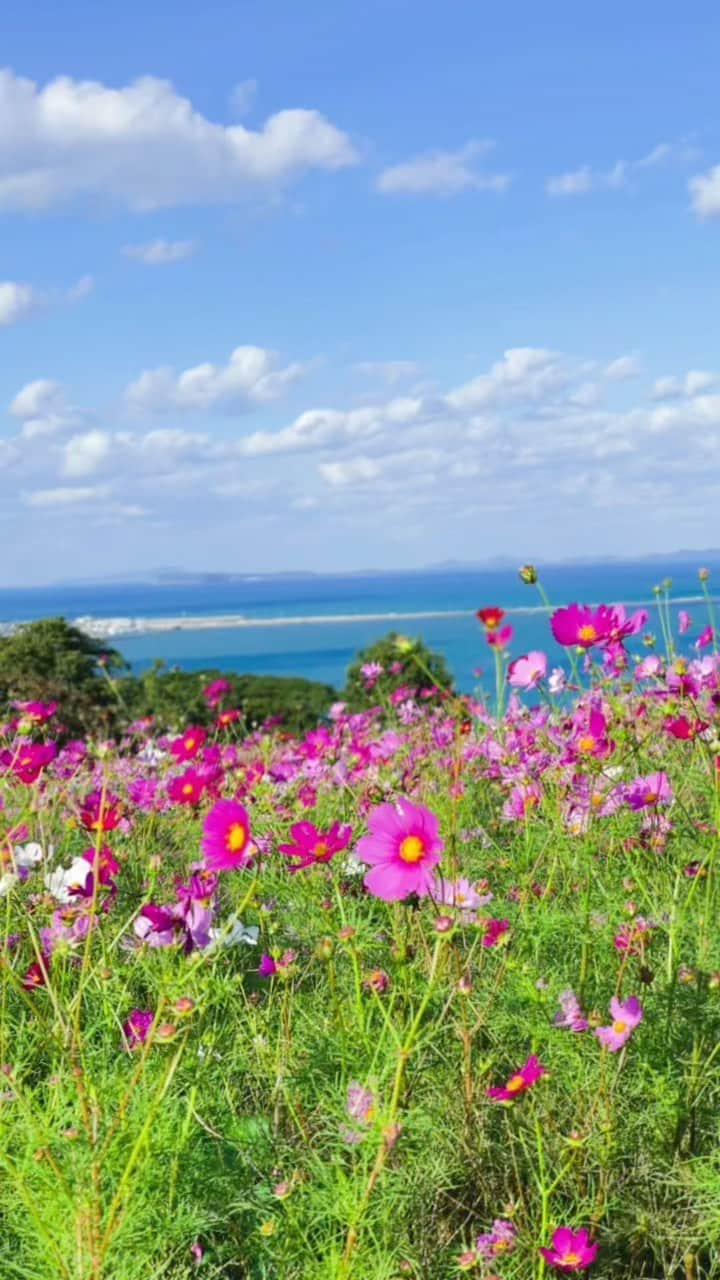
[698, 380]
[68, 497]
[442, 173]
[145, 146]
[36, 399]
[83, 454]
[354, 471]
[46, 410]
[251, 376]
[523, 372]
[583, 180]
[160, 252]
[704, 191]
[693, 384]
[580, 182]
[622, 368]
[17, 301]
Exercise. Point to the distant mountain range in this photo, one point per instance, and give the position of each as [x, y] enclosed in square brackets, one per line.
[172, 575]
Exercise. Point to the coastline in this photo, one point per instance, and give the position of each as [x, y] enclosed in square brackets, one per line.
[117, 627]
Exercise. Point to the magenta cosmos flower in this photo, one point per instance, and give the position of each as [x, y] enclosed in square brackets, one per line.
[581, 625]
[626, 1017]
[524, 1079]
[226, 837]
[402, 848]
[310, 845]
[570, 1250]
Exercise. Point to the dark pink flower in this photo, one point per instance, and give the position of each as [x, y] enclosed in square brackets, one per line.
[570, 1250]
[136, 1028]
[187, 746]
[580, 625]
[226, 842]
[311, 845]
[518, 1084]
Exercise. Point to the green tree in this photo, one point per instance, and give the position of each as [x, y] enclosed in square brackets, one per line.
[174, 698]
[50, 660]
[403, 662]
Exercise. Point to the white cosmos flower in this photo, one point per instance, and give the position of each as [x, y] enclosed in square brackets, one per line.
[62, 880]
[233, 933]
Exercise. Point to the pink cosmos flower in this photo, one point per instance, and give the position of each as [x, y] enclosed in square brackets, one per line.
[650, 791]
[684, 621]
[500, 639]
[570, 1250]
[135, 1029]
[494, 932]
[571, 1015]
[626, 1017]
[528, 671]
[705, 638]
[360, 1108]
[187, 746]
[402, 848]
[100, 811]
[214, 692]
[186, 788]
[311, 845]
[557, 681]
[499, 1241]
[462, 895]
[226, 841]
[523, 1080]
[37, 712]
[580, 625]
[28, 763]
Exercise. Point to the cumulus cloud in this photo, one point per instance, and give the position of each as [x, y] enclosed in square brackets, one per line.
[442, 173]
[158, 253]
[251, 376]
[82, 455]
[16, 302]
[704, 191]
[145, 146]
[46, 409]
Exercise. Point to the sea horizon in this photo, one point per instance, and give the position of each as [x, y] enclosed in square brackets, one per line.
[313, 625]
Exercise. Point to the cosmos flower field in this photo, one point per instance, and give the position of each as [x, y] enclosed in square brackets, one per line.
[432, 990]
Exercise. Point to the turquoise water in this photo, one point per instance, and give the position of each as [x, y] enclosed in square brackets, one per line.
[322, 649]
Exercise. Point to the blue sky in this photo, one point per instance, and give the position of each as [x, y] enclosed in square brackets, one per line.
[328, 285]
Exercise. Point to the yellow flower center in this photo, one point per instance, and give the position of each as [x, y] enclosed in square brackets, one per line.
[570, 1259]
[619, 1027]
[236, 837]
[587, 633]
[187, 789]
[586, 743]
[190, 743]
[320, 851]
[515, 1084]
[412, 849]
[650, 797]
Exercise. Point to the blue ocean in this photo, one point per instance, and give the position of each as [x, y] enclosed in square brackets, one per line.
[328, 618]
